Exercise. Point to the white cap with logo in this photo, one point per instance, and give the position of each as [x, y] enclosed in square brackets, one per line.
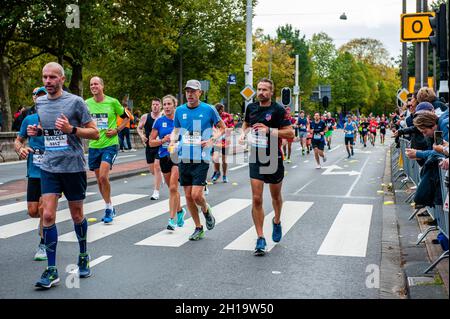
[193, 84]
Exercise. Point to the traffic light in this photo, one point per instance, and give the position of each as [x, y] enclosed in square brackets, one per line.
[439, 38]
[325, 101]
[286, 96]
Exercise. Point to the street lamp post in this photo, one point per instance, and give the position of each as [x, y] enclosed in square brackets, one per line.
[248, 67]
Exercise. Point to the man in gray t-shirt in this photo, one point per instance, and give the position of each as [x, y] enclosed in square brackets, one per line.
[63, 120]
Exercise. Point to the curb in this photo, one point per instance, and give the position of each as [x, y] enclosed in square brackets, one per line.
[392, 276]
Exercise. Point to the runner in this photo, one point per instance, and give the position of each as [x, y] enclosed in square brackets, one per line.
[103, 152]
[151, 153]
[308, 136]
[303, 128]
[331, 125]
[268, 123]
[160, 137]
[223, 145]
[64, 119]
[194, 121]
[364, 125]
[349, 130]
[287, 142]
[318, 128]
[383, 125]
[373, 125]
[33, 153]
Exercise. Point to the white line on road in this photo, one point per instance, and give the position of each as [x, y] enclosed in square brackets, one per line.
[180, 236]
[121, 222]
[357, 179]
[334, 148]
[94, 262]
[30, 224]
[306, 161]
[238, 167]
[295, 166]
[290, 214]
[21, 206]
[349, 234]
[304, 186]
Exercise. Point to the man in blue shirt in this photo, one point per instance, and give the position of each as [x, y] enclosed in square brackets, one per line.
[34, 154]
[193, 127]
[349, 130]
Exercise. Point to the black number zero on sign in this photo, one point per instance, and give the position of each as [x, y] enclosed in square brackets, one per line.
[417, 26]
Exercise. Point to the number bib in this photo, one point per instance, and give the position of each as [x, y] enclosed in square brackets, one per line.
[258, 140]
[317, 136]
[55, 140]
[194, 139]
[37, 158]
[101, 119]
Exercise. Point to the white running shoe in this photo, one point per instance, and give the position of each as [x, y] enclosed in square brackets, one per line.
[318, 166]
[155, 195]
[41, 254]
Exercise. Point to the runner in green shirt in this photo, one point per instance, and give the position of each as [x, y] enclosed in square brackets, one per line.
[102, 152]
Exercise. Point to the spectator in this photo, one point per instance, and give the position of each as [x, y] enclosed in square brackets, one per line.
[427, 94]
[18, 119]
[124, 134]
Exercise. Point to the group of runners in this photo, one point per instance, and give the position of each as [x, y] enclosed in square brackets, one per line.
[180, 143]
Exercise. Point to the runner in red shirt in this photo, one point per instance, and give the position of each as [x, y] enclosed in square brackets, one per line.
[223, 143]
[289, 141]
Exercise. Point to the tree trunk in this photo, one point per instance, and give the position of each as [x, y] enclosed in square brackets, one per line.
[76, 82]
[5, 106]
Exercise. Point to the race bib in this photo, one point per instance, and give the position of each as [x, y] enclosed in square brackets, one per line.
[101, 119]
[194, 139]
[258, 140]
[55, 140]
[364, 130]
[165, 145]
[302, 126]
[382, 127]
[329, 124]
[37, 158]
[317, 136]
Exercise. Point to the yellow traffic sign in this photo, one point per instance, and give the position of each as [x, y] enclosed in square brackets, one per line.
[248, 92]
[403, 95]
[415, 27]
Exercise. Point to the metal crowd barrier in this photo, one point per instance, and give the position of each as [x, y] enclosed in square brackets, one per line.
[410, 170]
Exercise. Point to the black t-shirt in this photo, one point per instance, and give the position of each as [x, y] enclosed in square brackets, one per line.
[273, 116]
[317, 129]
[148, 129]
[365, 126]
[383, 125]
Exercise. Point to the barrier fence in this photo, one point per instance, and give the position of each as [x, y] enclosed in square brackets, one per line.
[409, 171]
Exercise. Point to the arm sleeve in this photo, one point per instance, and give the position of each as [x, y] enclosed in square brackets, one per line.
[424, 154]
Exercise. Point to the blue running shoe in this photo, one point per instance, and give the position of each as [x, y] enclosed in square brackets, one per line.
[180, 217]
[276, 232]
[83, 266]
[260, 249]
[215, 177]
[225, 179]
[171, 225]
[49, 278]
[109, 215]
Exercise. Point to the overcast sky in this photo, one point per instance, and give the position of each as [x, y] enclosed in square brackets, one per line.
[378, 19]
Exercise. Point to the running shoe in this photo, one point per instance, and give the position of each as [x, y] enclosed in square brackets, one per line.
[210, 220]
[353, 153]
[49, 278]
[260, 249]
[225, 179]
[215, 177]
[180, 217]
[303, 151]
[109, 215]
[41, 254]
[318, 166]
[83, 266]
[276, 231]
[155, 195]
[288, 160]
[198, 234]
[171, 225]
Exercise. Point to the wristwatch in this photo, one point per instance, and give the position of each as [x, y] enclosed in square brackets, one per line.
[74, 130]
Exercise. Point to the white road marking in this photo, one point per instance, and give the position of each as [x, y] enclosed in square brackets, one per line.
[349, 234]
[290, 214]
[357, 179]
[180, 236]
[94, 262]
[237, 167]
[24, 226]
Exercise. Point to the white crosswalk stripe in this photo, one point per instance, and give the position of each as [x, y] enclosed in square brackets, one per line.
[30, 224]
[21, 206]
[121, 222]
[349, 234]
[291, 212]
[180, 236]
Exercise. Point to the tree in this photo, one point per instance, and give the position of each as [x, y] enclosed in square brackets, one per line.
[323, 53]
[367, 50]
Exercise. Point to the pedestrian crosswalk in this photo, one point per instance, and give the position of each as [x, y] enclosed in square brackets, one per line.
[348, 234]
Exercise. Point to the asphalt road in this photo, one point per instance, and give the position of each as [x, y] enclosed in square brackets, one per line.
[331, 244]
